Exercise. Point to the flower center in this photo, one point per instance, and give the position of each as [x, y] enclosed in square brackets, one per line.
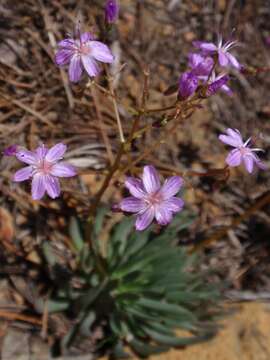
[154, 199]
[83, 48]
[244, 150]
[44, 167]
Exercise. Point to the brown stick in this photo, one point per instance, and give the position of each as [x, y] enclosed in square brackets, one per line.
[264, 200]
[101, 126]
[14, 316]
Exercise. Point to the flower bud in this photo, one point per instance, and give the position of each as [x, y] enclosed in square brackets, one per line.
[188, 84]
[111, 11]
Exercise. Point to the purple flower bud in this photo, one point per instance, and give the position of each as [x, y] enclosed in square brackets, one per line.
[111, 11]
[10, 150]
[115, 208]
[216, 85]
[188, 84]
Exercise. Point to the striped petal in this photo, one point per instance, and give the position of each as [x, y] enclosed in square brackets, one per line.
[52, 186]
[135, 187]
[90, 65]
[75, 69]
[26, 156]
[56, 152]
[173, 204]
[132, 204]
[38, 186]
[101, 52]
[150, 179]
[234, 158]
[171, 187]
[23, 174]
[63, 169]
[163, 215]
[145, 219]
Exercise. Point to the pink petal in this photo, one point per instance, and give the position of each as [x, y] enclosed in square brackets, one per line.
[52, 186]
[135, 187]
[75, 69]
[132, 204]
[90, 65]
[234, 158]
[38, 186]
[194, 59]
[163, 215]
[227, 90]
[150, 179]
[41, 152]
[234, 62]
[63, 169]
[173, 204]
[66, 43]
[258, 161]
[171, 187]
[63, 56]
[145, 219]
[101, 52]
[229, 140]
[86, 36]
[232, 138]
[235, 134]
[26, 156]
[261, 165]
[205, 46]
[222, 58]
[23, 174]
[56, 152]
[249, 162]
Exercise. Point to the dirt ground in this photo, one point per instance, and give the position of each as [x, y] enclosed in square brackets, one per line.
[245, 336]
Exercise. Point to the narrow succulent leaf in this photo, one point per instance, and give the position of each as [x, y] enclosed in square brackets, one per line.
[85, 325]
[115, 324]
[99, 220]
[48, 253]
[166, 307]
[119, 352]
[144, 350]
[174, 340]
[75, 234]
[52, 305]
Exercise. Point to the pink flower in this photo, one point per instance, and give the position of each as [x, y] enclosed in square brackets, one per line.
[222, 50]
[44, 168]
[242, 152]
[150, 200]
[82, 53]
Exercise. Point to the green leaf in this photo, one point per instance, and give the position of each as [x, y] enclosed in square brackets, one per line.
[160, 306]
[75, 234]
[48, 253]
[173, 340]
[144, 349]
[85, 326]
[53, 305]
[99, 219]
